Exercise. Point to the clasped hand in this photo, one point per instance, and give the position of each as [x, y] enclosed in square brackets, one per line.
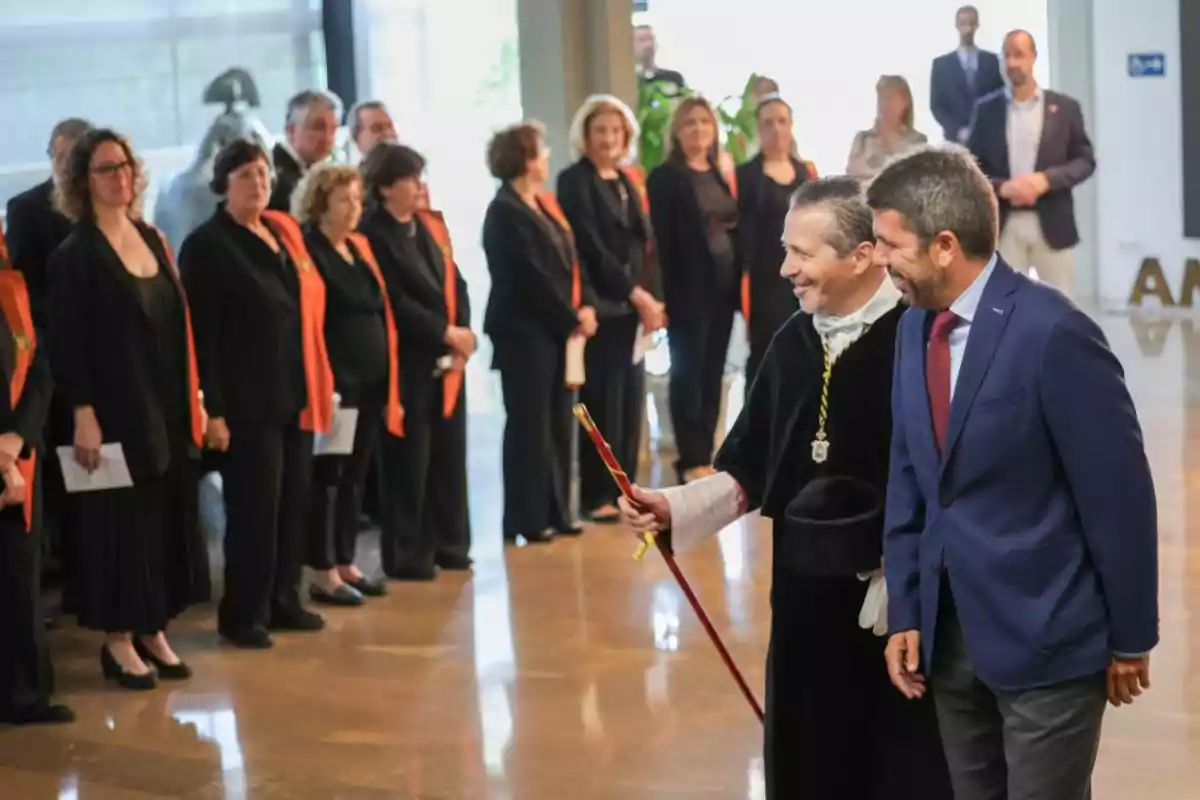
[587, 322]
[14, 487]
[1024, 190]
[652, 312]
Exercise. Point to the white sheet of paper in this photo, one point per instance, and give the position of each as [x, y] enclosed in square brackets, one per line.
[340, 439]
[643, 344]
[576, 375]
[113, 472]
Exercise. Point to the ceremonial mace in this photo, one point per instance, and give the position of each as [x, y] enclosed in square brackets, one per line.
[648, 538]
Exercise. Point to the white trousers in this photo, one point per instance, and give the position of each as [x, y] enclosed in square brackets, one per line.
[1023, 246]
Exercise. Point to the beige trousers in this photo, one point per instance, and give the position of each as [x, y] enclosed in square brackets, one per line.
[1023, 246]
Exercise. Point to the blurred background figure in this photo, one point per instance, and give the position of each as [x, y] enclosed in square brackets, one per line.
[695, 215]
[540, 299]
[961, 77]
[645, 49]
[892, 133]
[370, 124]
[124, 361]
[606, 204]
[309, 136]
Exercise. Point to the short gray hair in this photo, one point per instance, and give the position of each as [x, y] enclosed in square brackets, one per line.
[939, 188]
[355, 115]
[70, 128]
[841, 195]
[299, 104]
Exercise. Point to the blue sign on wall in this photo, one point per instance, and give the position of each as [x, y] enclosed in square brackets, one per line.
[641, 5]
[1147, 65]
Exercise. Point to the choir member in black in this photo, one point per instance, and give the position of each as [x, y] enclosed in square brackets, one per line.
[539, 300]
[765, 185]
[123, 359]
[361, 340]
[810, 450]
[258, 307]
[607, 208]
[35, 230]
[695, 217]
[26, 675]
[424, 492]
[310, 133]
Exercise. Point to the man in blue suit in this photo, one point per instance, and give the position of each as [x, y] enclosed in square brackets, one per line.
[1020, 542]
[961, 77]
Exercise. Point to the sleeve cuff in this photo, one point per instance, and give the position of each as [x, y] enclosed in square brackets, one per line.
[703, 508]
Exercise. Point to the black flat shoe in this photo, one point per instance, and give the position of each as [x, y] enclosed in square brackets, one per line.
[344, 595]
[44, 713]
[113, 671]
[297, 620]
[255, 638]
[369, 588]
[453, 562]
[168, 672]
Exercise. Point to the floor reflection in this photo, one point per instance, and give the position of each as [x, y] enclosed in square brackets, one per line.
[563, 671]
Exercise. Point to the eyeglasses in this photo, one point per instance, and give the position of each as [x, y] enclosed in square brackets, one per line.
[108, 170]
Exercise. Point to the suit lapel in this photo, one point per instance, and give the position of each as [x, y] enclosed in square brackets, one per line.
[1049, 126]
[987, 329]
[814, 355]
[916, 342]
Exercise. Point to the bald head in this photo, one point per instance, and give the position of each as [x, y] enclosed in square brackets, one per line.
[1020, 54]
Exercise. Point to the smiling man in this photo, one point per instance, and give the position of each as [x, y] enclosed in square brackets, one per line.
[810, 451]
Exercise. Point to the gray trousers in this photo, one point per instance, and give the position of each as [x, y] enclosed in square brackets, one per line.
[1038, 744]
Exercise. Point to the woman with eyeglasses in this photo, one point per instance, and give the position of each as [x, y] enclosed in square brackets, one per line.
[123, 358]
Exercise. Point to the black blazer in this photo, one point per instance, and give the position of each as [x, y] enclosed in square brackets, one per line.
[606, 237]
[951, 98]
[417, 295]
[1065, 156]
[246, 322]
[35, 230]
[102, 345]
[354, 313]
[531, 281]
[29, 417]
[684, 257]
[287, 177]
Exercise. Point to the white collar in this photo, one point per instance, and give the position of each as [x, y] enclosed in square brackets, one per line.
[838, 333]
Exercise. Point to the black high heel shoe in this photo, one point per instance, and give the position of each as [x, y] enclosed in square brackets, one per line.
[168, 672]
[113, 671]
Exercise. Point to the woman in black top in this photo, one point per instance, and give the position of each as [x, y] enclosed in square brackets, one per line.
[426, 525]
[540, 299]
[328, 203]
[256, 301]
[695, 219]
[765, 187]
[606, 206]
[123, 359]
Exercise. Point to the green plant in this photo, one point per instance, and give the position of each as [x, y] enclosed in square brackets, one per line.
[738, 116]
[656, 101]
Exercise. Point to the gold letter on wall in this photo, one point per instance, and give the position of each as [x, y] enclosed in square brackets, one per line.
[1151, 281]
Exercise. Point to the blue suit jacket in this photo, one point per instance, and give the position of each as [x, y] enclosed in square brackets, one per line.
[1065, 155]
[1042, 509]
[951, 99]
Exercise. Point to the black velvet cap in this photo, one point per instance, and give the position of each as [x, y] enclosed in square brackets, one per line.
[833, 527]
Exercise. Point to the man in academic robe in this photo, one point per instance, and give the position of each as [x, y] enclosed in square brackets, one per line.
[309, 137]
[26, 677]
[809, 450]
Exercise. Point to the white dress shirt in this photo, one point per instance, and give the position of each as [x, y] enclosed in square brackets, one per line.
[964, 308]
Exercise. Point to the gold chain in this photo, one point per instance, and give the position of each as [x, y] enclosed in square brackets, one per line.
[820, 445]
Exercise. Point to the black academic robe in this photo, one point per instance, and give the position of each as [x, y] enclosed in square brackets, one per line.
[835, 726]
[35, 230]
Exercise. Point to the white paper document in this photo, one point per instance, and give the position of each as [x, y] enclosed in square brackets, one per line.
[113, 472]
[340, 439]
[576, 375]
[643, 344]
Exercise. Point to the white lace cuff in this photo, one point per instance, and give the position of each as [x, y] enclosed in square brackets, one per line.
[703, 508]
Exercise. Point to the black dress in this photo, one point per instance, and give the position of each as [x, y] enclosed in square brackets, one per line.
[835, 726]
[762, 208]
[613, 235]
[695, 220]
[356, 339]
[119, 345]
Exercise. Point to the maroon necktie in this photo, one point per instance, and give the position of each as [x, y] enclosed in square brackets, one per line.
[937, 373]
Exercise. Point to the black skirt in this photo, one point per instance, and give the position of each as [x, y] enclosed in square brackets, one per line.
[836, 728]
[142, 558]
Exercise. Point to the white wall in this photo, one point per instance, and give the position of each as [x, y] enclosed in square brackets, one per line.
[827, 56]
[1137, 131]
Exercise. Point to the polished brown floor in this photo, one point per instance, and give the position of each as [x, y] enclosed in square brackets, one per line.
[560, 672]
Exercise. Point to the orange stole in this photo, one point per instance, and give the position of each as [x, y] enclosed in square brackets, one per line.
[14, 301]
[317, 416]
[5, 261]
[393, 412]
[435, 223]
[195, 412]
[637, 177]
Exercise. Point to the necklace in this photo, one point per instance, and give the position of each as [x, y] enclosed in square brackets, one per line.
[820, 444]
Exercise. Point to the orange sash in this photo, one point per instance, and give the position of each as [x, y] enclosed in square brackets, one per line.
[195, 411]
[317, 416]
[637, 177]
[14, 301]
[394, 412]
[435, 223]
